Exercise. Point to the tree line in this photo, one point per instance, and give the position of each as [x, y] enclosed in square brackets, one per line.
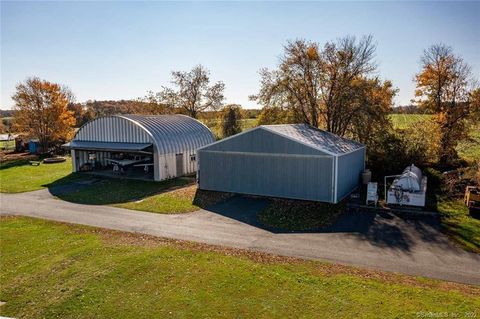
[333, 86]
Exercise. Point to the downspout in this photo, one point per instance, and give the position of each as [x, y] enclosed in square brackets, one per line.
[336, 178]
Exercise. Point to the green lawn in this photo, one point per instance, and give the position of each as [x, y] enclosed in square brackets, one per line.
[172, 196]
[157, 197]
[178, 195]
[458, 224]
[51, 270]
[171, 202]
[7, 145]
[20, 176]
[108, 191]
[470, 150]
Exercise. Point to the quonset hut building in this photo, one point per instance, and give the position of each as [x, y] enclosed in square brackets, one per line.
[294, 161]
[154, 147]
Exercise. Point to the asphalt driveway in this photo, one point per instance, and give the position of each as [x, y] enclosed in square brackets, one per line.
[383, 242]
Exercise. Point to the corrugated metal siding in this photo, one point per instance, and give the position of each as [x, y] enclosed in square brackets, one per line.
[263, 141]
[170, 135]
[350, 167]
[174, 133]
[279, 175]
[112, 129]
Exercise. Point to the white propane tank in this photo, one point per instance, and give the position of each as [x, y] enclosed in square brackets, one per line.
[411, 179]
[409, 188]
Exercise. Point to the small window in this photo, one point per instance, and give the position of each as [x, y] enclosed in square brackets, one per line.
[193, 157]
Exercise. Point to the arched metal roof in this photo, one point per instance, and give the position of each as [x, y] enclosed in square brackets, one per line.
[174, 133]
[170, 133]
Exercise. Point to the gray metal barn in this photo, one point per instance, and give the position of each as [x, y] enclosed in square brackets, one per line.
[292, 161]
[154, 147]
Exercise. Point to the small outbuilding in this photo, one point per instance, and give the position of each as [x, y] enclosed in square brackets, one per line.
[155, 147]
[295, 161]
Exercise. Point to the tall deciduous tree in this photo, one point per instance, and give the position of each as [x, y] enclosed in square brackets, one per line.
[231, 117]
[276, 115]
[192, 92]
[445, 86]
[41, 111]
[373, 100]
[327, 87]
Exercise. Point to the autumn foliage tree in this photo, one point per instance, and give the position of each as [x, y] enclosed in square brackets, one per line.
[330, 87]
[192, 92]
[41, 111]
[445, 86]
[276, 115]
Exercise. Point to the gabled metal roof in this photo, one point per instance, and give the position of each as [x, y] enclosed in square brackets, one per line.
[316, 138]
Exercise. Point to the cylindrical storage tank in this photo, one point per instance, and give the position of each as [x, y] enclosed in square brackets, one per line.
[411, 179]
[366, 176]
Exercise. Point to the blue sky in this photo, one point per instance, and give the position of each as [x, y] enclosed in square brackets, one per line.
[119, 50]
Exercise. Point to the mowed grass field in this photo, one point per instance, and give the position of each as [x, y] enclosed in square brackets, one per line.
[404, 121]
[19, 176]
[52, 270]
[7, 145]
[468, 150]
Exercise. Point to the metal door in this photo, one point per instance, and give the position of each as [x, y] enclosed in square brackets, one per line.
[179, 162]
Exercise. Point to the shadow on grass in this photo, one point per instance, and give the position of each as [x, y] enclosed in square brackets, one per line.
[277, 215]
[475, 214]
[206, 199]
[92, 190]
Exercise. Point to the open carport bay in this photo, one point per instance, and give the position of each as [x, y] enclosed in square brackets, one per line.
[131, 160]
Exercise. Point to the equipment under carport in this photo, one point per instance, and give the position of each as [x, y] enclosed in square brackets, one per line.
[408, 188]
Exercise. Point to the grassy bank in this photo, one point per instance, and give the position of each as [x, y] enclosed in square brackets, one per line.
[458, 224]
[179, 195]
[55, 270]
